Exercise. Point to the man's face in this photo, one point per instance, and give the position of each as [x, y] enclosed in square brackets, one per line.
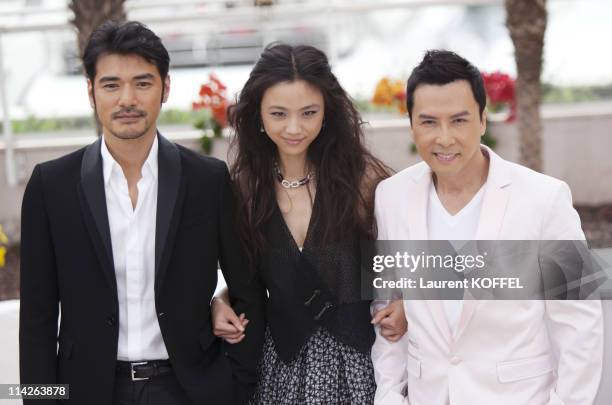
[127, 94]
[447, 126]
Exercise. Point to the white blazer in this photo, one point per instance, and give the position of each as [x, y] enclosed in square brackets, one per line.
[503, 352]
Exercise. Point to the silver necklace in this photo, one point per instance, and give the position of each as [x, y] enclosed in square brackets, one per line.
[291, 184]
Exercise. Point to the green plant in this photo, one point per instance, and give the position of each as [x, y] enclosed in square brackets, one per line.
[174, 116]
[206, 144]
[33, 124]
[575, 94]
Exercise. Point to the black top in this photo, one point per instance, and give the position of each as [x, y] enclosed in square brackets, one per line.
[316, 287]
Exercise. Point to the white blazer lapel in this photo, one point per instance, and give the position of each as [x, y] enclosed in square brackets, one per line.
[493, 210]
[418, 201]
[495, 201]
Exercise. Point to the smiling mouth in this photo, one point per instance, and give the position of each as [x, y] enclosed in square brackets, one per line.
[446, 157]
[293, 141]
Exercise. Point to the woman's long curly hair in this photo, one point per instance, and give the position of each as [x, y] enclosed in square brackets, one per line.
[346, 173]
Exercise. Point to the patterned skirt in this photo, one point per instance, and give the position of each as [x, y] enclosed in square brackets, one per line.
[325, 371]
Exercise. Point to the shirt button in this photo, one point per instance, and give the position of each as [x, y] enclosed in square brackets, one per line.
[161, 314]
[455, 360]
[110, 321]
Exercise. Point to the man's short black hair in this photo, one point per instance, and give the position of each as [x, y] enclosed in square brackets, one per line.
[128, 38]
[440, 67]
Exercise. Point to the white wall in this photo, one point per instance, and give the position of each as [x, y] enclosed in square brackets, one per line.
[576, 148]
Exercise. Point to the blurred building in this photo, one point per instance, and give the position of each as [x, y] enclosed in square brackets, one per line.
[365, 40]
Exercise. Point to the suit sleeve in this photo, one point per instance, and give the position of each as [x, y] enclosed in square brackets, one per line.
[246, 292]
[388, 358]
[576, 327]
[39, 308]
[379, 218]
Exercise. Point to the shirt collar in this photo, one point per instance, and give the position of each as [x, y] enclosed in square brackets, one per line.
[151, 161]
[109, 162]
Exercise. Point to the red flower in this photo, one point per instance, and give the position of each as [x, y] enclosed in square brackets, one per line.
[206, 90]
[501, 89]
[213, 97]
[219, 112]
[220, 86]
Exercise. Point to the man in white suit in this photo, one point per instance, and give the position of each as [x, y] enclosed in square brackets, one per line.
[479, 352]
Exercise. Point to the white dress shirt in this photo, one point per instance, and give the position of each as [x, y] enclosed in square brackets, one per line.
[441, 225]
[132, 233]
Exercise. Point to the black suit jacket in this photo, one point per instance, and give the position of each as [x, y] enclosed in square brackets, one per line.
[66, 262]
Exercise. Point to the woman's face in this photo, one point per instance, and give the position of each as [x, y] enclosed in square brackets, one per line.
[292, 116]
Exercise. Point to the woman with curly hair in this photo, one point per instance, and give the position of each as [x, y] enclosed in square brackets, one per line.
[305, 189]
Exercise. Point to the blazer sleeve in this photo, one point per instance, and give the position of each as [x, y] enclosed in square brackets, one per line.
[379, 217]
[39, 307]
[576, 327]
[389, 360]
[246, 292]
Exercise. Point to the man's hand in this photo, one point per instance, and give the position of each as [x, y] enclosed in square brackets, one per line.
[226, 324]
[392, 321]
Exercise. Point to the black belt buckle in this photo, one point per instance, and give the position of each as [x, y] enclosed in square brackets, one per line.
[133, 372]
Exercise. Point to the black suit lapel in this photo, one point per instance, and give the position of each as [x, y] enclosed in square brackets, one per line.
[93, 203]
[168, 202]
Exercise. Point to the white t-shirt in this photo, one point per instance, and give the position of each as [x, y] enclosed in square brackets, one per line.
[459, 227]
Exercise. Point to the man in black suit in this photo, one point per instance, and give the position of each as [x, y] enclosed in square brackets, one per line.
[122, 238]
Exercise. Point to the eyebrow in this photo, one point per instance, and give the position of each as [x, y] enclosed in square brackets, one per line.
[104, 79]
[457, 115]
[461, 114]
[308, 107]
[143, 76]
[147, 76]
[285, 109]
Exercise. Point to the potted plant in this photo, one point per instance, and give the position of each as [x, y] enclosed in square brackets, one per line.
[211, 111]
